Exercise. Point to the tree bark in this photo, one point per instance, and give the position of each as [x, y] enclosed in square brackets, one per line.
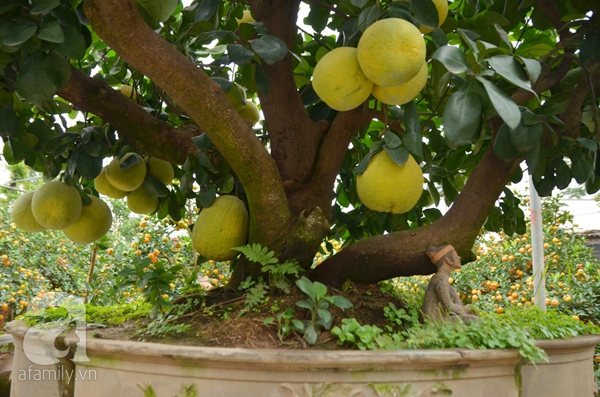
[294, 137]
[119, 24]
[132, 122]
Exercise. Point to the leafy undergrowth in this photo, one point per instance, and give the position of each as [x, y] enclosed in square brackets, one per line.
[225, 319]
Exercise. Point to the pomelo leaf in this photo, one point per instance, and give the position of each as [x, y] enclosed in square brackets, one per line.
[52, 32]
[9, 122]
[507, 109]
[269, 48]
[452, 58]
[503, 146]
[159, 10]
[398, 155]
[239, 55]
[18, 33]
[507, 67]
[462, 117]
[40, 6]
[426, 12]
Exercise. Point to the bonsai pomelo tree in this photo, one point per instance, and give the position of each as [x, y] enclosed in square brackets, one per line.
[463, 93]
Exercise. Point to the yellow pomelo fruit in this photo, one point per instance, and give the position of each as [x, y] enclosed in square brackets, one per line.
[140, 202]
[128, 91]
[339, 81]
[237, 96]
[160, 169]
[442, 9]
[391, 51]
[126, 179]
[22, 215]
[250, 112]
[221, 227]
[387, 187]
[246, 17]
[403, 93]
[94, 222]
[103, 186]
[56, 205]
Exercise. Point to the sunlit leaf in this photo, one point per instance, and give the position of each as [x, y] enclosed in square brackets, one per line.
[511, 70]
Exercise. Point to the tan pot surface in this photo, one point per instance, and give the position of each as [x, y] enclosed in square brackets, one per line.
[125, 368]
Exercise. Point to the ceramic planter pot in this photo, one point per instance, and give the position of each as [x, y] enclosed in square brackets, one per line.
[127, 368]
[569, 372]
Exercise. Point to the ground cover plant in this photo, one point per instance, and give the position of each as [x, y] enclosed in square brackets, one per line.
[233, 99]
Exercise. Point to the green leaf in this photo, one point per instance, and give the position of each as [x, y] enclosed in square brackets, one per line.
[207, 197]
[426, 12]
[503, 146]
[202, 142]
[19, 32]
[341, 302]
[159, 10]
[392, 141]
[239, 55]
[588, 144]
[9, 122]
[155, 187]
[563, 174]
[528, 133]
[450, 191]
[52, 32]
[412, 140]
[269, 48]
[58, 69]
[582, 169]
[462, 117]
[367, 17]
[305, 304]
[534, 68]
[590, 49]
[359, 3]
[40, 6]
[87, 166]
[507, 109]
[452, 58]
[317, 18]
[320, 290]
[32, 80]
[74, 45]
[204, 11]
[307, 286]
[262, 80]
[399, 155]
[310, 334]
[325, 318]
[511, 70]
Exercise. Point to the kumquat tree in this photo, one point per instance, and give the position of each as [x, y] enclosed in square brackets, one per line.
[292, 123]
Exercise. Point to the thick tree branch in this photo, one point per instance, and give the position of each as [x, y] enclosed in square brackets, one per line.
[145, 131]
[379, 258]
[294, 136]
[119, 24]
[319, 188]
